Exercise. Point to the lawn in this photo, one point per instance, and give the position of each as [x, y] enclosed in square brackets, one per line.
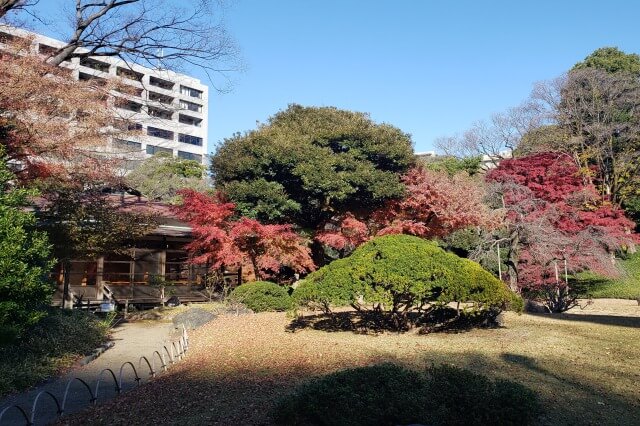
[626, 286]
[585, 365]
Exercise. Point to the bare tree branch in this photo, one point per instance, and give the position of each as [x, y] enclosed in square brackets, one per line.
[157, 33]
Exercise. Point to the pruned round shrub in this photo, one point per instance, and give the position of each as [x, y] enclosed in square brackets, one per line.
[389, 394]
[262, 296]
[400, 278]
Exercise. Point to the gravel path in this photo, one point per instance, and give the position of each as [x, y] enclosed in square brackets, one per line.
[131, 340]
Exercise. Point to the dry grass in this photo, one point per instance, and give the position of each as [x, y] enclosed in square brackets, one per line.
[585, 365]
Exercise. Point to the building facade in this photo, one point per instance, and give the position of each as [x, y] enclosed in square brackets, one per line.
[168, 109]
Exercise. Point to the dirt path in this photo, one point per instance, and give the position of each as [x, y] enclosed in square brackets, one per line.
[131, 340]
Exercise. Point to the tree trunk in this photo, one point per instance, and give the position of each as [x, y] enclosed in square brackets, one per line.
[512, 262]
[67, 302]
[61, 56]
[7, 5]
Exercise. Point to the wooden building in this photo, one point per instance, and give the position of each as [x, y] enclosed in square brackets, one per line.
[129, 277]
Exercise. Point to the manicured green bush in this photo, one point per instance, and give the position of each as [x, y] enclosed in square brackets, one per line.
[45, 348]
[399, 278]
[388, 394]
[262, 296]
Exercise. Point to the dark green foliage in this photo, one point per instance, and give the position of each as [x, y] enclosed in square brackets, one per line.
[396, 276]
[25, 262]
[612, 60]
[388, 394]
[631, 208]
[162, 176]
[310, 163]
[48, 346]
[262, 296]
[453, 165]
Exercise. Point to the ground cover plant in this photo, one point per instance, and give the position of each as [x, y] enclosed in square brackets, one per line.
[625, 286]
[398, 281]
[392, 394]
[583, 364]
[261, 296]
[49, 347]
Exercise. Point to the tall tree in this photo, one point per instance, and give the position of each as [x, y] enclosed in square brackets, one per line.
[52, 126]
[160, 177]
[601, 112]
[497, 138]
[611, 60]
[313, 163]
[555, 221]
[25, 262]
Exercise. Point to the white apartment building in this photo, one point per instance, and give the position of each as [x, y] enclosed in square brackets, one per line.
[168, 109]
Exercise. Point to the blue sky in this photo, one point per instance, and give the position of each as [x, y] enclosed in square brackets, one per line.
[431, 68]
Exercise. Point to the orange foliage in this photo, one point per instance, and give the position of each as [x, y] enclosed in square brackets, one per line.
[51, 125]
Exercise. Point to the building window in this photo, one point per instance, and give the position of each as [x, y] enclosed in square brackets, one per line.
[160, 113]
[190, 106]
[7, 38]
[95, 64]
[159, 133]
[128, 105]
[191, 140]
[47, 50]
[88, 77]
[153, 149]
[189, 156]
[130, 74]
[159, 97]
[127, 125]
[129, 90]
[163, 84]
[192, 121]
[188, 91]
[128, 145]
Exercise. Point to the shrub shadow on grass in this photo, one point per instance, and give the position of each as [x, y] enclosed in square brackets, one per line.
[616, 320]
[440, 321]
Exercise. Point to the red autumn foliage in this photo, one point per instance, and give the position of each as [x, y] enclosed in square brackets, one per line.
[57, 129]
[221, 240]
[556, 215]
[348, 234]
[435, 205]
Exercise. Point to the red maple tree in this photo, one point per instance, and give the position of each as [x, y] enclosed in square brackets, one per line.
[223, 240]
[435, 205]
[557, 222]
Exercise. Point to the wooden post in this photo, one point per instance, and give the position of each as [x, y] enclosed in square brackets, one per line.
[99, 273]
[499, 264]
[162, 263]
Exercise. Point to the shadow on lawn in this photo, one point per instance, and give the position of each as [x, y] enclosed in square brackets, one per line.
[440, 321]
[246, 394]
[617, 320]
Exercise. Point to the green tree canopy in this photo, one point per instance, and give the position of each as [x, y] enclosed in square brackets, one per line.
[25, 264]
[309, 163]
[454, 165]
[160, 177]
[612, 60]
